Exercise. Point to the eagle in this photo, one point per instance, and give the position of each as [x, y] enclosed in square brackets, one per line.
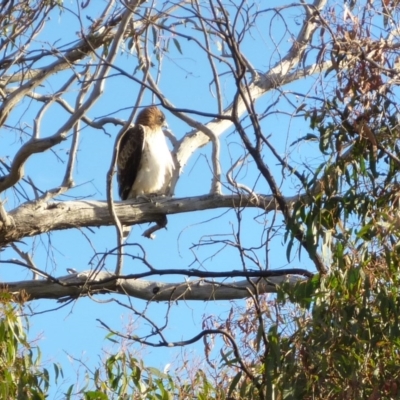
[144, 163]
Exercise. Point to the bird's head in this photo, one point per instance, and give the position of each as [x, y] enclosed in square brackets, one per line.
[152, 117]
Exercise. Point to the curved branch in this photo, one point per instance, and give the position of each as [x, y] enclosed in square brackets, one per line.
[31, 147]
[256, 89]
[205, 332]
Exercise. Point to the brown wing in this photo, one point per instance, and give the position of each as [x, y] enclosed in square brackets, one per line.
[129, 156]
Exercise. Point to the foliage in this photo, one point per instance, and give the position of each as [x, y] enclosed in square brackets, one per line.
[348, 345]
[123, 376]
[328, 199]
[120, 375]
[345, 344]
[22, 375]
[341, 341]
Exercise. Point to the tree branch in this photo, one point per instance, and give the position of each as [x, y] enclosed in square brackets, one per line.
[34, 218]
[92, 282]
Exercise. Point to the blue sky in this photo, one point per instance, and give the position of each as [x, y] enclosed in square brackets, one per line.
[73, 330]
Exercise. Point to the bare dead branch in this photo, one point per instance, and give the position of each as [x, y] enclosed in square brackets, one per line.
[31, 147]
[34, 218]
[101, 282]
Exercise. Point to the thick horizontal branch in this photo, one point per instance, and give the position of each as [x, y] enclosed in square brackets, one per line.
[34, 218]
[91, 282]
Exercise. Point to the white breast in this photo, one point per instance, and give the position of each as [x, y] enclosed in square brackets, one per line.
[156, 166]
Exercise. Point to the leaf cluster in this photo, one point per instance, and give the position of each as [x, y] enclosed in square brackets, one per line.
[22, 375]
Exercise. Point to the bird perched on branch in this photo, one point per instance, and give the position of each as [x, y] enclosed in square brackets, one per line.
[144, 163]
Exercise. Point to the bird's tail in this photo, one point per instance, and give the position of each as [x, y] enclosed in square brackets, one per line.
[126, 230]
